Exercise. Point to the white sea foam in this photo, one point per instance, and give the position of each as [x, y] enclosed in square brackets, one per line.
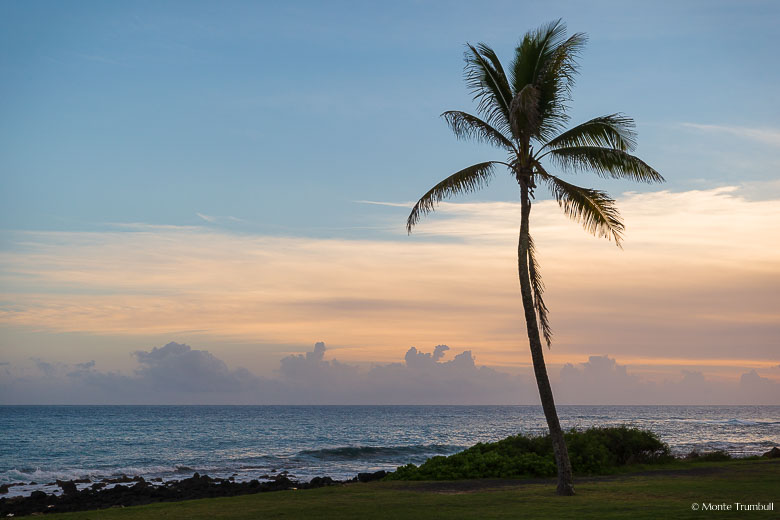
[732, 421]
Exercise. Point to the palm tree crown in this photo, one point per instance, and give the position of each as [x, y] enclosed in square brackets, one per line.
[524, 113]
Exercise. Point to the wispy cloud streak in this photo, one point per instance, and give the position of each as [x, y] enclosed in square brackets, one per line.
[769, 136]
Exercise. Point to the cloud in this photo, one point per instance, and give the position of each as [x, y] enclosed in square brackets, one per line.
[179, 367]
[178, 374]
[423, 378]
[759, 389]
[769, 136]
[390, 204]
[47, 369]
[413, 357]
[174, 373]
[599, 380]
[697, 282]
[207, 218]
[602, 380]
[213, 219]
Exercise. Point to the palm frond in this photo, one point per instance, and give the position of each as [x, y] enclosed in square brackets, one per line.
[537, 286]
[594, 209]
[605, 162]
[487, 81]
[548, 60]
[532, 53]
[555, 81]
[465, 181]
[613, 131]
[467, 126]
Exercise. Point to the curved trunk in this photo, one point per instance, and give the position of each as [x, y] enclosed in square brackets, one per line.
[565, 481]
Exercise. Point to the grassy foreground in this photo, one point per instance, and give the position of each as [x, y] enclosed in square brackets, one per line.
[666, 492]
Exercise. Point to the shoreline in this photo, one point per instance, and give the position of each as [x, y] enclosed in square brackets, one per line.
[128, 491]
[735, 481]
[119, 493]
[88, 479]
[123, 490]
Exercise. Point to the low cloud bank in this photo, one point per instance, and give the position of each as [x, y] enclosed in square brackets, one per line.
[601, 380]
[178, 374]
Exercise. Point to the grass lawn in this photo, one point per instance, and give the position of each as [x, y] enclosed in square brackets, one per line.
[662, 493]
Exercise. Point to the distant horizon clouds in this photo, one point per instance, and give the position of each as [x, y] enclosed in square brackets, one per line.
[178, 374]
[677, 295]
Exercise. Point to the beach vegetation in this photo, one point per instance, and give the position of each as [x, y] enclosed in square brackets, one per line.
[711, 456]
[594, 451]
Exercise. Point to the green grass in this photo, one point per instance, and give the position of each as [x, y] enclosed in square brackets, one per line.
[664, 492]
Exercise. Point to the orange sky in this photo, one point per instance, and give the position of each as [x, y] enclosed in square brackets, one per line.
[696, 285]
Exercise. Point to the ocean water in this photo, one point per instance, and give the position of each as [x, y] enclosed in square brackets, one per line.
[43, 443]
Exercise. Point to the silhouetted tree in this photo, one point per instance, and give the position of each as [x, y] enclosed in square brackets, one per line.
[524, 113]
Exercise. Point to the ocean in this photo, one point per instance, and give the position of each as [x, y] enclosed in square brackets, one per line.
[43, 443]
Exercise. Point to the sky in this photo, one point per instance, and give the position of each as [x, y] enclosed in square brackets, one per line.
[203, 191]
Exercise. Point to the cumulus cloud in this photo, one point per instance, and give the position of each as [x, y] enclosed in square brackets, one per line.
[179, 367]
[174, 373]
[422, 378]
[759, 389]
[178, 374]
[602, 380]
[46, 368]
[599, 380]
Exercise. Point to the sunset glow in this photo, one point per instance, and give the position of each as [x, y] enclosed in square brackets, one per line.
[664, 300]
[239, 184]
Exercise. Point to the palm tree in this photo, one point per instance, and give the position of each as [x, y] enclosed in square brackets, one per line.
[524, 113]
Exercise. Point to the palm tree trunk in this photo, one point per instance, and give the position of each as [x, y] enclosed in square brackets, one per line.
[565, 481]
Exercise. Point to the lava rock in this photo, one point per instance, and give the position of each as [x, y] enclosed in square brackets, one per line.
[280, 483]
[370, 477]
[100, 496]
[68, 486]
[774, 453]
[321, 482]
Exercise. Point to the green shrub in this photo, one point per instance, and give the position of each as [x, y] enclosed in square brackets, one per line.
[597, 450]
[712, 456]
[592, 451]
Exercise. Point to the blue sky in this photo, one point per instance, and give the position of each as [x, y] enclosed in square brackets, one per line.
[200, 172]
[285, 114]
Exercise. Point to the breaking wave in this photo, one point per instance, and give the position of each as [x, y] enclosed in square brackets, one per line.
[380, 452]
[731, 422]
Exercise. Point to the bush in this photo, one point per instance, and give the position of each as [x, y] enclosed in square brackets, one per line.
[598, 450]
[712, 456]
[592, 451]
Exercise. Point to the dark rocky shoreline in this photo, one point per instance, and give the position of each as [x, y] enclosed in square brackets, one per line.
[128, 491]
[135, 491]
